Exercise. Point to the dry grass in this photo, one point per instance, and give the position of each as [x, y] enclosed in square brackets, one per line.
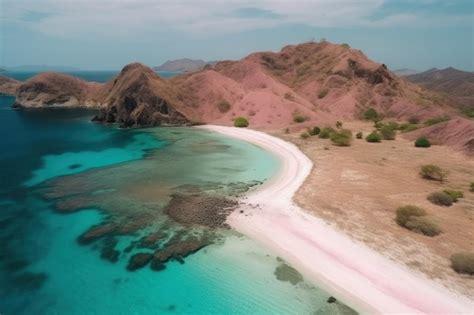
[358, 190]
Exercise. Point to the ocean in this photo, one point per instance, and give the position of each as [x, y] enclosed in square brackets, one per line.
[79, 201]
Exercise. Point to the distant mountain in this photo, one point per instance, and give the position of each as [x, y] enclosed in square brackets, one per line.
[457, 84]
[405, 71]
[183, 65]
[40, 68]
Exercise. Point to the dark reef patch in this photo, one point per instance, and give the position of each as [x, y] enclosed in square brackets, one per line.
[287, 273]
[74, 166]
[200, 209]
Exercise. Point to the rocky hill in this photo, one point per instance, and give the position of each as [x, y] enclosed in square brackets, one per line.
[301, 85]
[457, 84]
[139, 97]
[56, 89]
[8, 86]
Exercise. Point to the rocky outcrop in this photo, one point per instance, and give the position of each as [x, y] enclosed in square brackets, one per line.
[139, 97]
[52, 89]
[8, 86]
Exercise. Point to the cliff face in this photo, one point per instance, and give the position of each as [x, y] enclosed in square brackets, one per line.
[51, 89]
[138, 97]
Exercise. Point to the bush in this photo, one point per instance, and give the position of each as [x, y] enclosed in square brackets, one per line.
[371, 114]
[405, 213]
[304, 135]
[440, 198]
[423, 225]
[286, 130]
[414, 120]
[393, 125]
[326, 133]
[373, 137]
[378, 124]
[414, 219]
[422, 142]
[223, 106]
[408, 127]
[241, 122]
[359, 135]
[388, 133]
[342, 138]
[471, 189]
[338, 124]
[433, 172]
[454, 194]
[436, 120]
[323, 93]
[463, 263]
[314, 131]
[299, 118]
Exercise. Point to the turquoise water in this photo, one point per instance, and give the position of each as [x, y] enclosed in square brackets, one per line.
[62, 175]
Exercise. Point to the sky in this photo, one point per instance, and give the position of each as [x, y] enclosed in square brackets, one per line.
[108, 34]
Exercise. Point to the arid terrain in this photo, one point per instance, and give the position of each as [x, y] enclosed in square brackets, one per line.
[357, 189]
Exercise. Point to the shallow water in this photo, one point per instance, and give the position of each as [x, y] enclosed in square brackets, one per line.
[58, 161]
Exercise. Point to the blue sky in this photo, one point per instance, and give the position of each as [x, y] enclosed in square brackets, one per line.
[107, 34]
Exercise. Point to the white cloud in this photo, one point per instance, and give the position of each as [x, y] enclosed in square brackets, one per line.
[83, 18]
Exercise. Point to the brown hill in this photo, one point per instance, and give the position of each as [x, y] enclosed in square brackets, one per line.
[457, 133]
[56, 89]
[8, 86]
[457, 84]
[321, 82]
[139, 97]
[302, 85]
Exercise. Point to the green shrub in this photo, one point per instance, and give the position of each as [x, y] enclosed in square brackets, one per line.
[371, 114]
[241, 122]
[388, 133]
[359, 135]
[378, 124]
[338, 124]
[393, 125]
[304, 135]
[314, 131]
[468, 112]
[414, 219]
[326, 133]
[342, 138]
[223, 106]
[433, 172]
[408, 127]
[440, 198]
[405, 213]
[436, 120]
[463, 263]
[454, 194]
[297, 118]
[471, 189]
[323, 93]
[374, 137]
[422, 142]
[423, 225]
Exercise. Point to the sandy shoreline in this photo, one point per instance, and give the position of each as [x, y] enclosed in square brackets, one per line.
[356, 274]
